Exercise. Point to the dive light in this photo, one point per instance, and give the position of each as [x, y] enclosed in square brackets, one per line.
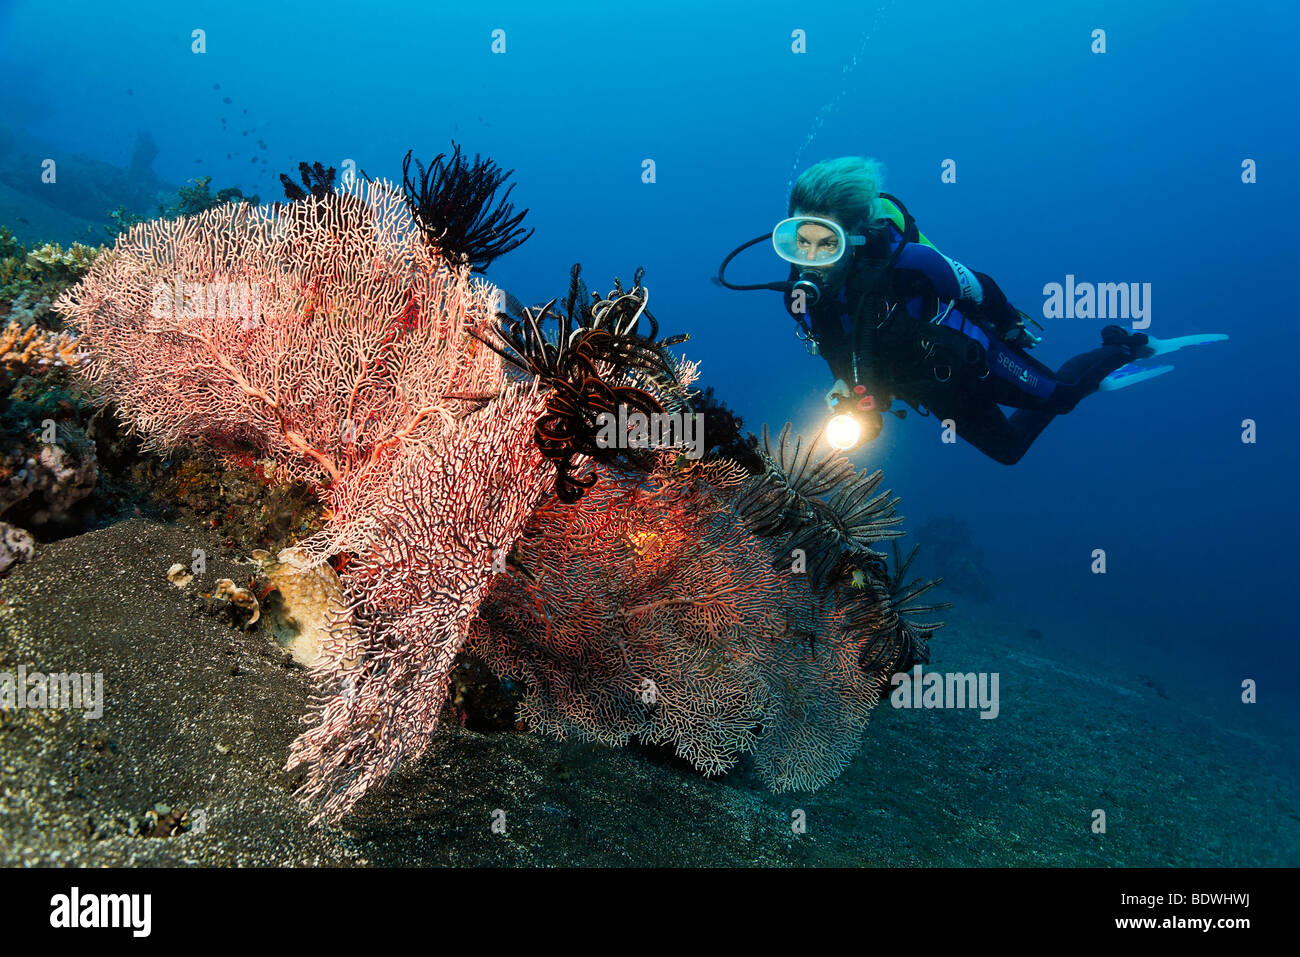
[843, 431]
[853, 420]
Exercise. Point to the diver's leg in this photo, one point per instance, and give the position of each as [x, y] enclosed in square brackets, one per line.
[1076, 378]
[981, 423]
[1082, 375]
[984, 425]
[1007, 440]
[1028, 425]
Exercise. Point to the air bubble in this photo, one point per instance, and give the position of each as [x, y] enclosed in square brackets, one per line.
[819, 119]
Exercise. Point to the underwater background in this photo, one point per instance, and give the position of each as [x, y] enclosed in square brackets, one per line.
[1122, 166]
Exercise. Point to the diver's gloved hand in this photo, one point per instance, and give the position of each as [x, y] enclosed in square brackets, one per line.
[1019, 336]
[840, 390]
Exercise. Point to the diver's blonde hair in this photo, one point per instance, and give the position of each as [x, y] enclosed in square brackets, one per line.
[846, 189]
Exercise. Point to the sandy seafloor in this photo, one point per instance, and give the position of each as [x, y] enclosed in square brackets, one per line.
[199, 715]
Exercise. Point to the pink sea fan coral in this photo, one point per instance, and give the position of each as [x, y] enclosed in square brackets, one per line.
[328, 335]
[324, 333]
[449, 514]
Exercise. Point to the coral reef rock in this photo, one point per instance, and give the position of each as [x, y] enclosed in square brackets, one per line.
[16, 545]
[309, 599]
[48, 477]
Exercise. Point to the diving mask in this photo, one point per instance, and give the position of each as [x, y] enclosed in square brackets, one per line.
[812, 241]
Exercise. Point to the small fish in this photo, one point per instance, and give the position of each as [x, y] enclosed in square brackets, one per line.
[225, 99]
[515, 562]
[216, 86]
[130, 92]
[227, 156]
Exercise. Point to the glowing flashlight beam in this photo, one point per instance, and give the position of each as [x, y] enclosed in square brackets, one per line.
[843, 432]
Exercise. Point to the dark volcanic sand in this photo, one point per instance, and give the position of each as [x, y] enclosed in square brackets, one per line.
[198, 715]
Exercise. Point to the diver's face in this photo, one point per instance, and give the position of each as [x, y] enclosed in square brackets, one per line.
[815, 242]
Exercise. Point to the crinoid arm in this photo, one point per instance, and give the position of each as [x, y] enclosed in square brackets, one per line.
[452, 199]
[902, 596]
[789, 501]
[885, 614]
[595, 359]
[804, 477]
[317, 181]
[862, 516]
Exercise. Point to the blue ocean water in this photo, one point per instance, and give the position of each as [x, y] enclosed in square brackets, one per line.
[1122, 166]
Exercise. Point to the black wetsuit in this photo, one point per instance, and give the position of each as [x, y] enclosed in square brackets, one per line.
[878, 332]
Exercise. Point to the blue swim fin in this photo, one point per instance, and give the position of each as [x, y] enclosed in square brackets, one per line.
[1131, 374]
[1158, 347]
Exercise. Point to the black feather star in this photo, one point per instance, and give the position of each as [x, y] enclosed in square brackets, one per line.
[832, 513]
[789, 499]
[883, 608]
[594, 359]
[453, 200]
[317, 181]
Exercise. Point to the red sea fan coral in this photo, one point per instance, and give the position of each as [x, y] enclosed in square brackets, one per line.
[626, 616]
[649, 610]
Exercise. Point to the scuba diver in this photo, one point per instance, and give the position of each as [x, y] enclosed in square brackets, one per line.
[896, 319]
